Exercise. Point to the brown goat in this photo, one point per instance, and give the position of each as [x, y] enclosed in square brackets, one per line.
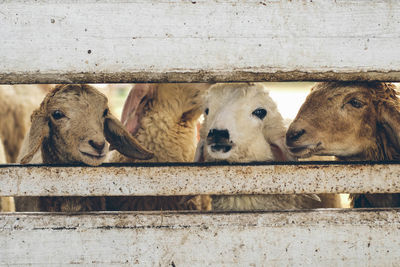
[71, 126]
[352, 121]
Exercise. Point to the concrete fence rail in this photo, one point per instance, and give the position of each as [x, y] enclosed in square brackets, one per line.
[192, 179]
[72, 41]
[311, 238]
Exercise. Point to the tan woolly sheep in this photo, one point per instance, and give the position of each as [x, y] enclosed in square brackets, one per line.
[352, 121]
[3, 159]
[6, 203]
[163, 118]
[16, 104]
[242, 124]
[71, 126]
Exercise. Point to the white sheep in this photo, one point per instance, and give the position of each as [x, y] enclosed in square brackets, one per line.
[242, 124]
[163, 118]
[71, 126]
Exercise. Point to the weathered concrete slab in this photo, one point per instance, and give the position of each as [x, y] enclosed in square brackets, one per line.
[193, 179]
[313, 238]
[207, 40]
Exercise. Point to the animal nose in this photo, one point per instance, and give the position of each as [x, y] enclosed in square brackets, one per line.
[219, 140]
[218, 136]
[293, 135]
[98, 145]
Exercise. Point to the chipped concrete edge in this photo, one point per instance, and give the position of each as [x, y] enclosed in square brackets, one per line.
[195, 76]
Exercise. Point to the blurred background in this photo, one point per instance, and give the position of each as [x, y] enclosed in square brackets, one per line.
[288, 95]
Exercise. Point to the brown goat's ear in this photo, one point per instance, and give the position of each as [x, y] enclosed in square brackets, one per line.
[389, 118]
[38, 132]
[123, 141]
[134, 107]
[199, 155]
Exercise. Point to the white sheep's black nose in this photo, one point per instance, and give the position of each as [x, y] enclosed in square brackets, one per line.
[219, 140]
[218, 135]
[98, 146]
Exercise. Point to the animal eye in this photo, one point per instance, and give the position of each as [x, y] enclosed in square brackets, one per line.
[260, 113]
[105, 113]
[58, 115]
[356, 103]
[206, 111]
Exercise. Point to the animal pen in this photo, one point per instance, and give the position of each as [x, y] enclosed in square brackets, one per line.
[103, 41]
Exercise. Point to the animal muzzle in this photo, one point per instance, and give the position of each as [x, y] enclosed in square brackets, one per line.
[219, 140]
[293, 136]
[95, 148]
[98, 146]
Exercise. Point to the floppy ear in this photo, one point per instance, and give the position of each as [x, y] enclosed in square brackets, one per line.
[38, 132]
[199, 155]
[280, 151]
[134, 107]
[389, 118]
[123, 141]
[194, 97]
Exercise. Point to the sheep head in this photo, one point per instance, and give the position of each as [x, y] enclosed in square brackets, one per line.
[351, 120]
[182, 102]
[72, 124]
[242, 124]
